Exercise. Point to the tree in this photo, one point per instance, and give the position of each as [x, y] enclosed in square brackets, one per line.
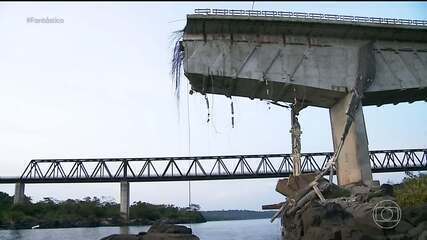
[194, 207]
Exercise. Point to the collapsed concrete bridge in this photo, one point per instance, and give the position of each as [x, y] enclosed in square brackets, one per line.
[317, 59]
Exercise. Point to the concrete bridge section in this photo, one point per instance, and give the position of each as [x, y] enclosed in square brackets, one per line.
[126, 170]
[316, 59]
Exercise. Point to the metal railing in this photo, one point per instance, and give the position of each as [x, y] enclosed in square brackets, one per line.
[315, 16]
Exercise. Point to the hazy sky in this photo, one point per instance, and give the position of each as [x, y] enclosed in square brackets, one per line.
[98, 85]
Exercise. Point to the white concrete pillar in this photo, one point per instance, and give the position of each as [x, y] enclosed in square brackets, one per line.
[124, 229]
[353, 165]
[124, 200]
[19, 197]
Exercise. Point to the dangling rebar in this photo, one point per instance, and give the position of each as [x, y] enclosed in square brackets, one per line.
[267, 90]
[232, 112]
[207, 105]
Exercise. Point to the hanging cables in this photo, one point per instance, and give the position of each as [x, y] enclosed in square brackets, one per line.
[189, 142]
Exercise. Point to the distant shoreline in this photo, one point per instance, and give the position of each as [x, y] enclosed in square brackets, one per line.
[93, 212]
[210, 216]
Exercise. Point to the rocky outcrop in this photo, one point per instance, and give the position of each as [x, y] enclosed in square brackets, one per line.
[122, 237]
[351, 217]
[169, 228]
[158, 231]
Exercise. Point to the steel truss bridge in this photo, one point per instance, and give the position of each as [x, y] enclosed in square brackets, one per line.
[201, 167]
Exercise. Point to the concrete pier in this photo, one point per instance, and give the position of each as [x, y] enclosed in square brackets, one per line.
[124, 200]
[353, 165]
[19, 197]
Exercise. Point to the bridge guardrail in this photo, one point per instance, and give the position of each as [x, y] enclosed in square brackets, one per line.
[315, 16]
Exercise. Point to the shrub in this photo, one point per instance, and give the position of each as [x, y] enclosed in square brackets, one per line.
[413, 191]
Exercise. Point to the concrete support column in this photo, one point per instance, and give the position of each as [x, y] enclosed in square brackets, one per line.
[353, 165]
[124, 200]
[19, 197]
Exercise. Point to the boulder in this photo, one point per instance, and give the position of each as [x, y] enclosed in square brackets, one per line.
[403, 227]
[121, 237]
[423, 235]
[418, 230]
[169, 228]
[415, 215]
[169, 236]
[158, 231]
[387, 189]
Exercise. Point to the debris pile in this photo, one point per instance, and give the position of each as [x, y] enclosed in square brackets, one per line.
[343, 213]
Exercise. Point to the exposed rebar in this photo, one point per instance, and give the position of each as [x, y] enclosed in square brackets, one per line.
[176, 63]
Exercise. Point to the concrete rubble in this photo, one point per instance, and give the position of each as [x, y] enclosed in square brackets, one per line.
[345, 213]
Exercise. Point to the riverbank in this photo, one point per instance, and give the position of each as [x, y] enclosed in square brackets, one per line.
[89, 212]
[94, 212]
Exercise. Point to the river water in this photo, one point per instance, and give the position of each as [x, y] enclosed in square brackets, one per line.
[258, 229]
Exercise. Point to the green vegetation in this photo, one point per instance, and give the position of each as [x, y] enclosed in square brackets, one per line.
[412, 192]
[146, 213]
[50, 213]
